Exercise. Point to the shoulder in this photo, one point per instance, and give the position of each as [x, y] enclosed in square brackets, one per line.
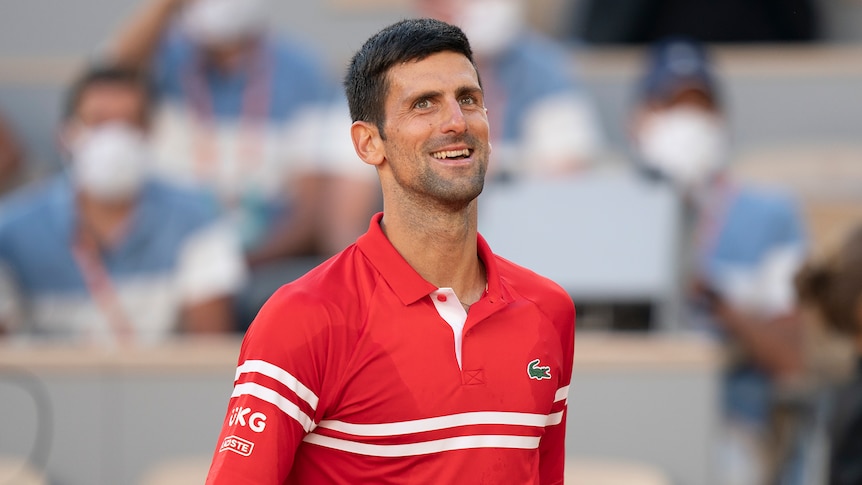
[331, 299]
[30, 205]
[544, 59]
[764, 199]
[546, 294]
[294, 57]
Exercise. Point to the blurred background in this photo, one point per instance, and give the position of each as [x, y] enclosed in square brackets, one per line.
[676, 166]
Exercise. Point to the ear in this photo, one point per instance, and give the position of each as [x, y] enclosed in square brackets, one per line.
[367, 142]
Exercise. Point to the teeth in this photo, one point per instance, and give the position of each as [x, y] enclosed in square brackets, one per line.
[451, 154]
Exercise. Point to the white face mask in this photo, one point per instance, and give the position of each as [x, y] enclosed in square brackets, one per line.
[490, 25]
[686, 144]
[109, 161]
[215, 22]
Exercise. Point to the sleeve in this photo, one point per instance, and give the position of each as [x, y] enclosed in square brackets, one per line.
[278, 394]
[560, 132]
[552, 447]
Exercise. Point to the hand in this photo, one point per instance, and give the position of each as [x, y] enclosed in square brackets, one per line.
[703, 292]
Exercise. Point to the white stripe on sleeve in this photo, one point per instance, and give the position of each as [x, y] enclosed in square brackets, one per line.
[562, 393]
[272, 397]
[282, 376]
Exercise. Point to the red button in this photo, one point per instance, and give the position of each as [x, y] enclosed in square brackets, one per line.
[441, 298]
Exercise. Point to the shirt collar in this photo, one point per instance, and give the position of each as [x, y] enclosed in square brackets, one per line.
[402, 278]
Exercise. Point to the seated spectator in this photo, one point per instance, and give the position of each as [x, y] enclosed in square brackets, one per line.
[103, 252]
[542, 120]
[742, 244]
[834, 289]
[251, 117]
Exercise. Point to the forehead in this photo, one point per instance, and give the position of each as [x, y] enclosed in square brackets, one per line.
[443, 71]
[109, 100]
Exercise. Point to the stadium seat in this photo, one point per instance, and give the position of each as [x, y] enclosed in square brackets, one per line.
[610, 472]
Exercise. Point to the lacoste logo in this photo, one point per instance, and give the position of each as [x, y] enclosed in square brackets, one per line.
[538, 372]
[237, 445]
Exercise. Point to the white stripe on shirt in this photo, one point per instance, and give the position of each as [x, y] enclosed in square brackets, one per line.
[426, 447]
[438, 423]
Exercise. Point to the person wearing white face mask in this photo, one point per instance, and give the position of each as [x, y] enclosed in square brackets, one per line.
[104, 252]
[742, 245]
[246, 114]
[545, 122]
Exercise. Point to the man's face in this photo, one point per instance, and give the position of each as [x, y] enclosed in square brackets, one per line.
[436, 129]
[105, 103]
[105, 139]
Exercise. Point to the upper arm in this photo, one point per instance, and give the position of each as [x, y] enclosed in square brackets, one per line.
[278, 394]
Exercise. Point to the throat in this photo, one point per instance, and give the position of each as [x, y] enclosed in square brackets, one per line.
[103, 225]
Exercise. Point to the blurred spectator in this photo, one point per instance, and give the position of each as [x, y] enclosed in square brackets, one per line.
[638, 21]
[102, 251]
[742, 244]
[834, 289]
[11, 158]
[542, 121]
[251, 116]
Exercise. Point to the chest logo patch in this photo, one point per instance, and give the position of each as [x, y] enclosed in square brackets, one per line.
[538, 372]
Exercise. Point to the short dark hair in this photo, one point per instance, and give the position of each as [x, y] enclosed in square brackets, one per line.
[110, 73]
[366, 84]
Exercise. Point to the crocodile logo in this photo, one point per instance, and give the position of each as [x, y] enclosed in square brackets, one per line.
[538, 372]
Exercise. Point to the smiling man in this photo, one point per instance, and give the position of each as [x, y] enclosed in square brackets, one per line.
[416, 355]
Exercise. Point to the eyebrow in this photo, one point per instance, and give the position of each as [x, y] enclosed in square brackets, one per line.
[436, 94]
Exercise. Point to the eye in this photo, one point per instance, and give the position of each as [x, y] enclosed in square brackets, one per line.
[422, 104]
[468, 100]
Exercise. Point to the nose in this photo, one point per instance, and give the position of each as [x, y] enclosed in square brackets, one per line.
[454, 119]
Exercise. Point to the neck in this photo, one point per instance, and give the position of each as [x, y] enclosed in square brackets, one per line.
[102, 223]
[231, 57]
[440, 245]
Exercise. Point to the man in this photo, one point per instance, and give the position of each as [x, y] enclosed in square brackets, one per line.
[415, 355]
[247, 114]
[743, 244]
[104, 253]
[543, 123]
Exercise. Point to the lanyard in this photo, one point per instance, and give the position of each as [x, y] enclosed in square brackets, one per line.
[102, 290]
[256, 97]
[715, 210]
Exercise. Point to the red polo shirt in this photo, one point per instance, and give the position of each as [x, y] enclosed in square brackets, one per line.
[355, 374]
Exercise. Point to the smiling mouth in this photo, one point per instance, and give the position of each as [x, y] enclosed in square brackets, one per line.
[452, 154]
